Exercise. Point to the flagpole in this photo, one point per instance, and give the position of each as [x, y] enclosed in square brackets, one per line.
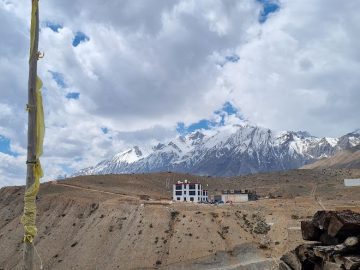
[32, 138]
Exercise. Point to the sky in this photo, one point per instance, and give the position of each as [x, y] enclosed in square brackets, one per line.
[122, 72]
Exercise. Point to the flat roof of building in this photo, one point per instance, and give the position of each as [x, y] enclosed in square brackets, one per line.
[179, 184]
[352, 182]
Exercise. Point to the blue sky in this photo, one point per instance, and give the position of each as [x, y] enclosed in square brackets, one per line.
[269, 6]
[58, 78]
[73, 95]
[206, 124]
[60, 81]
[105, 130]
[227, 109]
[53, 26]
[79, 37]
[5, 146]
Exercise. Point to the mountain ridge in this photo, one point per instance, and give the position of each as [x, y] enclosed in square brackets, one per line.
[345, 159]
[227, 151]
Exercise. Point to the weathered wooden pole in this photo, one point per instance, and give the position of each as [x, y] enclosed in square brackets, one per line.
[32, 128]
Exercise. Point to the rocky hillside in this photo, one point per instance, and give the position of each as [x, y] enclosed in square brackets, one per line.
[79, 229]
[106, 222]
[227, 151]
[349, 159]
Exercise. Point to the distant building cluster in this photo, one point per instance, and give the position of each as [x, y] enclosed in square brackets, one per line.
[194, 192]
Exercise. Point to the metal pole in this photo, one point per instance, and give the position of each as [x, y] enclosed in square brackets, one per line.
[29, 247]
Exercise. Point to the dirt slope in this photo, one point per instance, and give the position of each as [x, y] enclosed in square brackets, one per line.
[347, 159]
[78, 231]
[287, 184]
[105, 223]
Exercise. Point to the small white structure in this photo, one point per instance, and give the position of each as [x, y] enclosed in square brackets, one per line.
[352, 182]
[189, 192]
[236, 196]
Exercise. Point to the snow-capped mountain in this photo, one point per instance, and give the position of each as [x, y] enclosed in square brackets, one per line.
[227, 151]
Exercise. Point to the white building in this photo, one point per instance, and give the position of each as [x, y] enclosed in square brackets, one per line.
[244, 197]
[189, 192]
[351, 182]
[236, 196]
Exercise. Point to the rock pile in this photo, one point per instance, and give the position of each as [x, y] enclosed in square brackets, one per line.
[261, 227]
[337, 246]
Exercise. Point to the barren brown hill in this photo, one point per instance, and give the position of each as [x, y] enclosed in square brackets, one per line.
[286, 184]
[126, 221]
[349, 159]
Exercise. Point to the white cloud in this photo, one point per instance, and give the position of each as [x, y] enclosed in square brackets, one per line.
[302, 71]
[12, 170]
[150, 64]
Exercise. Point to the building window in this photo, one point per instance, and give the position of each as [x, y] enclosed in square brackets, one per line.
[184, 192]
[178, 187]
[185, 199]
[192, 186]
[192, 199]
[192, 192]
[178, 198]
[178, 192]
[199, 192]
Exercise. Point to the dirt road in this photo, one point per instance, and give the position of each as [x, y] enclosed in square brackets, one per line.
[128, 197]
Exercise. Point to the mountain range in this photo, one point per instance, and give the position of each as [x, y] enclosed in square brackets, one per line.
[227, 151]
[349, 159]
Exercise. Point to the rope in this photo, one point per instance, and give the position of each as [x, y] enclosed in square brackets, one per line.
[37, 253]
[29, 107]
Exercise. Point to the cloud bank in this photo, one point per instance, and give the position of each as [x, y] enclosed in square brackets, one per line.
[127, 72]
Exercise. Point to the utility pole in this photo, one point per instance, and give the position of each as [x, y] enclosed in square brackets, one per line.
[32, 127]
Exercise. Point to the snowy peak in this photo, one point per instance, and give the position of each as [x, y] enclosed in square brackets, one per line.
[303, 134]
[129, 156]
[159, 146]
[227, 150]
[350, 140]
[196, 137]
[332, 141]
